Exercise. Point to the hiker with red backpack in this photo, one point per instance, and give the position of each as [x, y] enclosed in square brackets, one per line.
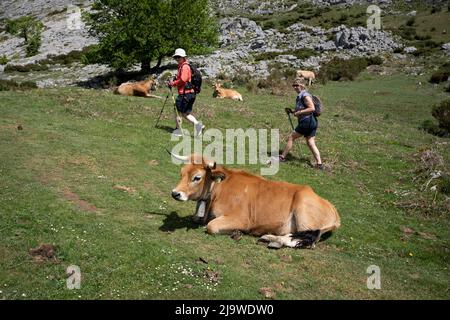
[186, 93]
[306, 110]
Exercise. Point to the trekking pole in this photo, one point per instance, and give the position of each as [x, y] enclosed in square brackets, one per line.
[290, 120]
[162, 109]
[176, 111]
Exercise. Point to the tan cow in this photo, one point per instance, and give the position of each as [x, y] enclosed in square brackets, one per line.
[284, 214]
[308, 75]
[221, 93]
[141, 88]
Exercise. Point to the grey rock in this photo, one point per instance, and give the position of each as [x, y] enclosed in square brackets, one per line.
[410, 49]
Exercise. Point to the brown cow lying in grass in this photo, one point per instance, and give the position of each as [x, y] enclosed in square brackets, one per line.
[141, 88]
[226, 93]
[283, 214]
[308, 75]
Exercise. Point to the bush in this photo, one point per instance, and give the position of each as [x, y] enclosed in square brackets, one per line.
[441, 113]
[436, 9]
[3, 60]
[442, 74]
[431, 127]
[376, 60]
[6, 85]
[406, 32]
[410, 22]
[339, 69]
[33, 45]
[30, 29]
[26, 68]
[447, 89]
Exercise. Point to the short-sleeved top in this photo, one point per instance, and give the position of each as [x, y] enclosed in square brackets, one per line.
[184, 75]
[300, 105]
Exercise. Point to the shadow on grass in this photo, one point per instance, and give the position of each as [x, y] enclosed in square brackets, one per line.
[165, 128]
[173, 221]
[293, 159]
[114, 78]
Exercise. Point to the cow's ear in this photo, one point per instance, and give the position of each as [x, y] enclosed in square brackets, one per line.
[218, 175]
[210, 165]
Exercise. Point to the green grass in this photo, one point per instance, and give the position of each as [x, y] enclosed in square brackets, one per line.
[136, 245]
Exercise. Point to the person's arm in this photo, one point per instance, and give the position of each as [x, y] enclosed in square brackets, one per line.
[185, 76]
[309, 107]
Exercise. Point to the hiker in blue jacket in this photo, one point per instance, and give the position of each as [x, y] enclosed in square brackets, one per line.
[307, 123]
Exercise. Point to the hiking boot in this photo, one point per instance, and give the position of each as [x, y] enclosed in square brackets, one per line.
[198, 129]
[320, 166]
[177, 132]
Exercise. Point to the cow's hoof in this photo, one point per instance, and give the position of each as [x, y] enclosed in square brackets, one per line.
[236, 235]
[275, 245]
[197, 220]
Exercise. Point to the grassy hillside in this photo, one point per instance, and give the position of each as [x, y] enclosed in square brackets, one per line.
[88, 173]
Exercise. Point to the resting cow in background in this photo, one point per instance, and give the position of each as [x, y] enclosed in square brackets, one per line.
[141, 88]
[221, 93]
[284, 214]
[308, 75]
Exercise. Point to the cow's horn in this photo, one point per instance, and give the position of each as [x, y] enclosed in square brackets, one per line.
[178, 157]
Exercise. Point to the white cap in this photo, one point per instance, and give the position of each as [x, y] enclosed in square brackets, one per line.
[180, 53]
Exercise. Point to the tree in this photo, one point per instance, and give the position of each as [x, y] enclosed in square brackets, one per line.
[142, 31]
[29, 28]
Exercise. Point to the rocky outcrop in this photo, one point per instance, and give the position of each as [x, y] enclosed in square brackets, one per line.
[242, 50]
[242, 40]
[362, 40]
[59, 37]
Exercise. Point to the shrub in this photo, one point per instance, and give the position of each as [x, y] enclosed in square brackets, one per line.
[339, 69]
[3, 60]
[406, 32]
[6, 85]
[410, 22]
[444, 185]
[30, 29]
[375, 60]
[431, 127]
[26, 68]
[442, 74]
[441, 113]
[436, 9]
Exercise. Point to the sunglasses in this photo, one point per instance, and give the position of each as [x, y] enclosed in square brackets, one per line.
[295, 85]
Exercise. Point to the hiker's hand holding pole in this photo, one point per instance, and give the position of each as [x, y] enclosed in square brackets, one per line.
[288, 110]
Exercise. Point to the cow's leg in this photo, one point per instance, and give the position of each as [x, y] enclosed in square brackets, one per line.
[277, 242]
[303, 239]
[223, 225]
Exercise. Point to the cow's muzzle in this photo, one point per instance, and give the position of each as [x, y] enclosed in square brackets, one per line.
[180, 196]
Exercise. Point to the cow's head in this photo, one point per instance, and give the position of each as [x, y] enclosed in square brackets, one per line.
[150, 83]
[197, 175]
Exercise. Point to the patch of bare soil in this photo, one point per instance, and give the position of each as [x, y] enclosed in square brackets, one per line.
[81, 204]
[44, 253]
[129, 190]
